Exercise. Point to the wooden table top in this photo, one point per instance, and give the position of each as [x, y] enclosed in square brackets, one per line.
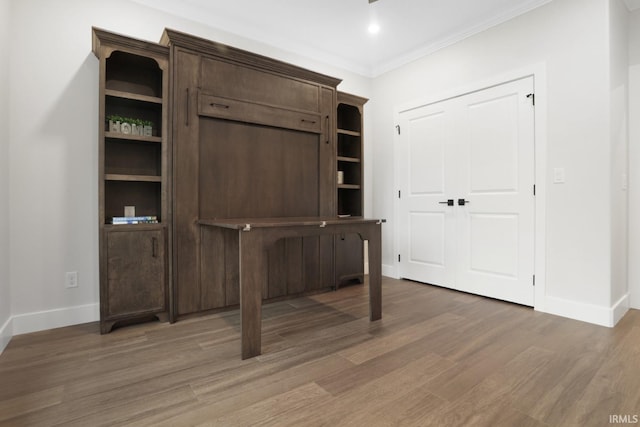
[243, 223]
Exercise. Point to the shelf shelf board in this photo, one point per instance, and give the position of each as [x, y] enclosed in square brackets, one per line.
[349, 159]
[348, 187]
[129, 137]
[134, 96]
[132, 178]
[348, 132]
[141, 226]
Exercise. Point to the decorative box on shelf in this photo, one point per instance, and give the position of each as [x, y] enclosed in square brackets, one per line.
[130, 126]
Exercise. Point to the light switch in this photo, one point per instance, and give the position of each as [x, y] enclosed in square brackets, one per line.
[558, 176]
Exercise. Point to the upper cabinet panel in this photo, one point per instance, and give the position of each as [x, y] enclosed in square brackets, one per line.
[239, 82]
[234, 73]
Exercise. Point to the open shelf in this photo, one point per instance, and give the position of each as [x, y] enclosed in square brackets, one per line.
[349, 118]
[133, 96]
[349, 159]
[144, 195]
[133, 178]
[134, 109]
[124, 157]
[130, 137]
[134, 74]
[348, 132]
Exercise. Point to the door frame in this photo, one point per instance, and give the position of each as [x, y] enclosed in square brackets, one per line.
[538, 72]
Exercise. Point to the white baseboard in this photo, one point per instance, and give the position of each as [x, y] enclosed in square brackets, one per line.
[598, 315]
[634, 300]
[50, 319]
[619, 309]
[389, 271]
[6, 333]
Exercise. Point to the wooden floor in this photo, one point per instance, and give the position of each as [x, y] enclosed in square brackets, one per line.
[437, 357]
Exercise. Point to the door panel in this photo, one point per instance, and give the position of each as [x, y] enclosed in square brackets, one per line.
[426, 154]
[493, 144]
[429, 248]
[426, 178]
[495, 229]
[493, 244]
[477, 149]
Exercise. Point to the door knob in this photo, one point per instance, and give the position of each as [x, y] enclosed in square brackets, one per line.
[449, 202]
[462, 202]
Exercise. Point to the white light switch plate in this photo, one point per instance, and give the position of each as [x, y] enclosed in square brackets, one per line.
[558, 176]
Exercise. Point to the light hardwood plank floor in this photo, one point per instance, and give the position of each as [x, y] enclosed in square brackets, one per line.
[437, 358]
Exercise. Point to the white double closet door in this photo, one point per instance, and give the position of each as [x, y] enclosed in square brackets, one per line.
[466, 207]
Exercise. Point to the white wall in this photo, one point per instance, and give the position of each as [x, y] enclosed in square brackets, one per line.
[53, 146]
[619, 86]
[634, 159]
[5, 295]
[571, 39]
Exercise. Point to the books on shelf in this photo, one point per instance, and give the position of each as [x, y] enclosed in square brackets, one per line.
[151, 219]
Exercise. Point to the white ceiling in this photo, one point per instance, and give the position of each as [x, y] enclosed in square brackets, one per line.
[335, 31]
[632, 4]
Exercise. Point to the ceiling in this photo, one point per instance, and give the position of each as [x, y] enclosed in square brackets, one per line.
[335, 31]
[632, 4]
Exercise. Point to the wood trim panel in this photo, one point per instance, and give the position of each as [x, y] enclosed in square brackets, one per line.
[108, 38]
[249, 59]
[249, 112]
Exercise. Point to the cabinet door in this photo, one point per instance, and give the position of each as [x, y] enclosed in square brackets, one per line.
[349, 258]
[136, 272]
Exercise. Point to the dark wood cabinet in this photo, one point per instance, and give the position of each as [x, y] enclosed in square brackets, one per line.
[134, 168]
[253, 137]
[349, 251]
[215, 132]
[136, 284]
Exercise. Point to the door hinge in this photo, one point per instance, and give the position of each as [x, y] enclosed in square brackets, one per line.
[398, 257]
[398, 129]
[399, 194]
[534, 190]
[534, 280]
[533, 98]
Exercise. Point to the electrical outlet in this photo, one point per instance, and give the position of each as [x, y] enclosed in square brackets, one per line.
[71, 279]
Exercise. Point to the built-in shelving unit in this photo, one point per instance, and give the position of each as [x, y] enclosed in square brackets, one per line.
[349, 155]
[133, 179]
[349, 188]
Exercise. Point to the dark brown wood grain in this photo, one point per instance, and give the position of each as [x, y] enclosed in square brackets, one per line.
[133, 170]
[235, 135]
[253, 137]
[257, 236]
[349, 196]
[186, 265]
